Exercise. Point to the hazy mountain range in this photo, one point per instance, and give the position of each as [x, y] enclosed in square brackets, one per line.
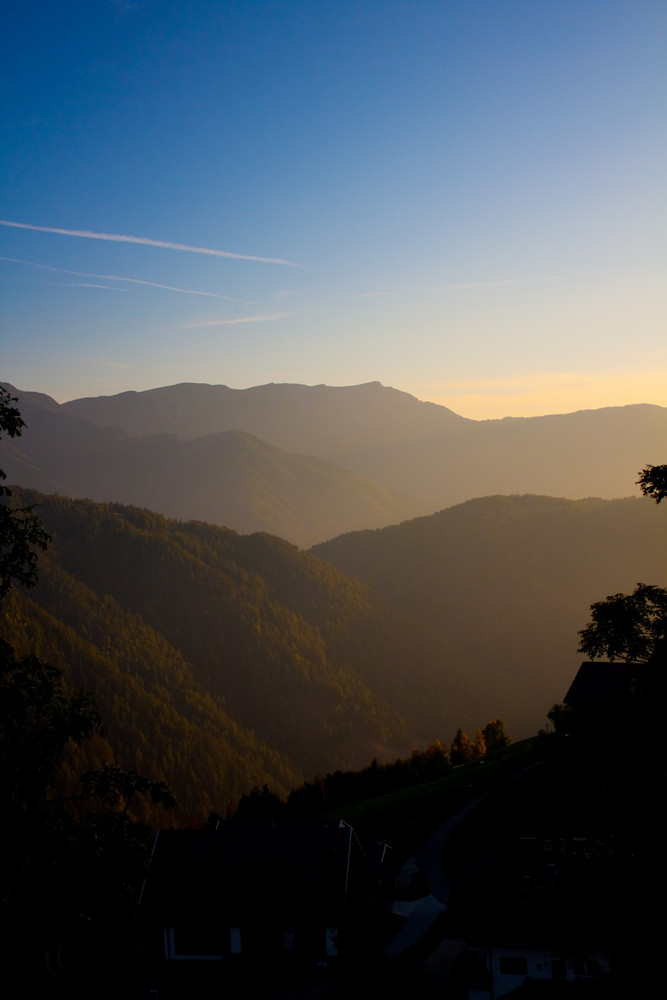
[310, 462]
[224, 660]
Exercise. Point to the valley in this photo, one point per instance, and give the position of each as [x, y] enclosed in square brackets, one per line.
[225, 657]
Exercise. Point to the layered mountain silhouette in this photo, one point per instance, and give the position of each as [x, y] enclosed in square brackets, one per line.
[223, 661]
[510, 579]
[310, 462]
[230, 478]
[317, 420]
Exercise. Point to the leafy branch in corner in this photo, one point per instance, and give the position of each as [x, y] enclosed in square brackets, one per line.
[21, 531]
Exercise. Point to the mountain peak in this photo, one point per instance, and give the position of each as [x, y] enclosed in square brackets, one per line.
[318, 420]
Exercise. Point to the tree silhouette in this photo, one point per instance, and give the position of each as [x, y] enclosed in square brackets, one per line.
[626, 626]
[495, 735]
[20, 528]
[50, 859]
[37, 721]
[653, 482]
[461, 750]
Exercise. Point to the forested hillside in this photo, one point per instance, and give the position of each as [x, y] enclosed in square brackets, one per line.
[157, 718]
[222, 661]
[511, 578]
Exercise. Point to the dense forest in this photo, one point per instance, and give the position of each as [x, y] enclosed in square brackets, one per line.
[218, 661]
[222, 662]
[511, 578]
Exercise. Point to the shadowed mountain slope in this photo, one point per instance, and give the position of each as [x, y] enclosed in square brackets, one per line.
[159, 719]
[443, 621]
[230, 478]
[202, 643]
[510, 580]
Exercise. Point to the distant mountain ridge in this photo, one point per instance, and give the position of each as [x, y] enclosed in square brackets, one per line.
[230, 478]
[314, 420]
[310, 462]
[586, 453]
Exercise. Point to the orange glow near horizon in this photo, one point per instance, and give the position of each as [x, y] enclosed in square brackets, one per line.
[549, 392]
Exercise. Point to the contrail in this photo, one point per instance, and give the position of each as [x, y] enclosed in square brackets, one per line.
[78, 284]
[144, 241]
[133, 281]
[230, 322]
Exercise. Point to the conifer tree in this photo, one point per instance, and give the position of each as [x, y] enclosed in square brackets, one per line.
[461, 749]
[495, 735]
[478, 745]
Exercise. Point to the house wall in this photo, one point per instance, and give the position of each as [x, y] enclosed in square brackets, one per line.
[209, 941]
[510, 967]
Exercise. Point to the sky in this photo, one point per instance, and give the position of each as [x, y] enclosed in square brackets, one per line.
[463, 199]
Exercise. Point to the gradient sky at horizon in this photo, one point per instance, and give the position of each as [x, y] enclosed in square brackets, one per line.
[464, 200]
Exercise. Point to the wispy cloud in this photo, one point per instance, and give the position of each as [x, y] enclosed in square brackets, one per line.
[62, 284]
[144, 241]
[244, 319]
[133, 281]
[79, 284]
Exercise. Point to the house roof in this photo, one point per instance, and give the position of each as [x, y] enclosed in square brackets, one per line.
[601, 681]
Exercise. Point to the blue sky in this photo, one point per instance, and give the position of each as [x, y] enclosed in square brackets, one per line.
[464, 200]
